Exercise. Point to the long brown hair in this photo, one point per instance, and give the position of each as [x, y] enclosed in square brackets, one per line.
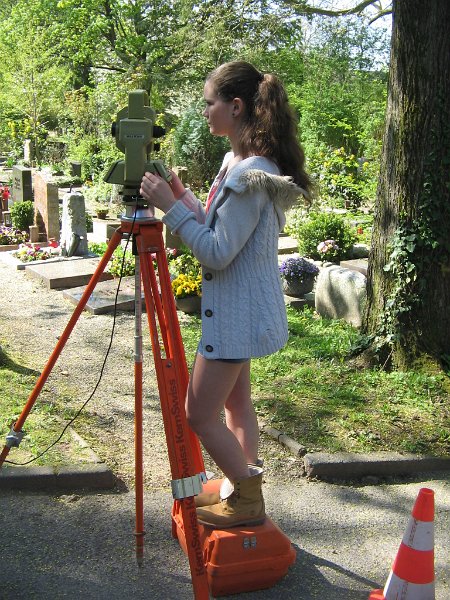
[269, 127]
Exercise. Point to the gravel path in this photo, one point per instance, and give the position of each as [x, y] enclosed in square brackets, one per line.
[31, 319]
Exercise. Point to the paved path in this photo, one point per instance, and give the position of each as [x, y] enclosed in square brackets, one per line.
[82, 546]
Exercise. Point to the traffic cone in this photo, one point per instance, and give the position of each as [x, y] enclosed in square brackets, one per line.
[412, 574]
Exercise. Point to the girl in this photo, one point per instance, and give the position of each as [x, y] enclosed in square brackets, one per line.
[236, 241]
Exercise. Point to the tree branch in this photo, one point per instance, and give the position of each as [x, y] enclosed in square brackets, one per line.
[311, 10]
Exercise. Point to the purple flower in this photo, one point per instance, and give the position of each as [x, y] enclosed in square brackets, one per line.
[298, 268]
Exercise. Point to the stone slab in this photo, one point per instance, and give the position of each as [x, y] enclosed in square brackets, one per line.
[349, 465]
[102, 299]
[357, 264]
[294, 302]
[287, 244]
[66, 274]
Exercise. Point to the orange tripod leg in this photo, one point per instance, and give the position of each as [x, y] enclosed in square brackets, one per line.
[14, 436]
[171, 372]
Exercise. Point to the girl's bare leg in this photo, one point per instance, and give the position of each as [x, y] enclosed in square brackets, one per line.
[241, 417]
[210, 385]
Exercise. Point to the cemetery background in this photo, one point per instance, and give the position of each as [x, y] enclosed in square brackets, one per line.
[339, 293]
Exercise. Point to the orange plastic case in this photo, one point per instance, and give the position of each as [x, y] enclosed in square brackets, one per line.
[240, 559]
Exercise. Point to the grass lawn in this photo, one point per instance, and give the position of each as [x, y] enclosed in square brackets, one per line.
[308, 390]
[311, 392]
[43, 425]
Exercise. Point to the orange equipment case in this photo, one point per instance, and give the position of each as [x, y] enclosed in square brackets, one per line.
[240, 559]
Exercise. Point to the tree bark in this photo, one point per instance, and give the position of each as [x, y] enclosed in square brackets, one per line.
[413, 191]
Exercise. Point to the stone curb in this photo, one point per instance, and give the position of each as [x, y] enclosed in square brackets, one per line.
[349, 466]
[92, 477]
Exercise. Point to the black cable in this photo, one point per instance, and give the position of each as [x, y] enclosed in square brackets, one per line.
[104, 360]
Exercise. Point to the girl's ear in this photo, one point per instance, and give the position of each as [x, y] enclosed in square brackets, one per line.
[238, 107]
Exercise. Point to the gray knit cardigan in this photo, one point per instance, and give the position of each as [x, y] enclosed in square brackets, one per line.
[236, 242]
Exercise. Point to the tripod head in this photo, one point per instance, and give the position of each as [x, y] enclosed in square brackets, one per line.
[135, 131]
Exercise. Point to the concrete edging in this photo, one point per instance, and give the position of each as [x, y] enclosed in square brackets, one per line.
[94, 475]
[348, 465]
[74, 477]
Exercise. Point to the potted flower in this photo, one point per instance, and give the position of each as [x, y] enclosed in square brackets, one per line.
[329, 250]
[101, 209]
[185, 271]
[187, 290]
[298, 275]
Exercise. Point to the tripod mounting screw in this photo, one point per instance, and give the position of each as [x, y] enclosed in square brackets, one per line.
[14, 438]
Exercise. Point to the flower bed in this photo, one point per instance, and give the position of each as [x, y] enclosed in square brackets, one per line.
[31, 253]
[11, 238]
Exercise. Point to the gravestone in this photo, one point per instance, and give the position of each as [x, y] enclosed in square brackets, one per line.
[73, 229]
[75, 168]
[28, 151]
[360, 265]
[341, 294]
[22, 187]
[46, 207]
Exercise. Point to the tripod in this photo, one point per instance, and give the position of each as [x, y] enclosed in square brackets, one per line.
[186, 462]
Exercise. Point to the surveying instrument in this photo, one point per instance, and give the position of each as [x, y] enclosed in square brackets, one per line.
[257, 556]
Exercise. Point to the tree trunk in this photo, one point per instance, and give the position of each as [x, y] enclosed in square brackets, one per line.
[408, 301]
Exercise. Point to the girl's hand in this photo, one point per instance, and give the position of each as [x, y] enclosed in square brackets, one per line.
[157, 191]
[178, 188]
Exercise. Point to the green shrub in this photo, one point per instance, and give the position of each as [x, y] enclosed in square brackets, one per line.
[89, 223]
[122, 262]
[22, 215]
[323, 226]
[341, 180]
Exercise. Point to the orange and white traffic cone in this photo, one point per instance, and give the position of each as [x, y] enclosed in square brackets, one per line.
[412, 574]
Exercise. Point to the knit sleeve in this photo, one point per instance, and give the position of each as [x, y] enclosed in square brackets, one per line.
[235, 221]
[193, 204]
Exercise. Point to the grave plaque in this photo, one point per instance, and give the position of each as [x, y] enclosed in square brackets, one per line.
[46, 207]
[22, 188]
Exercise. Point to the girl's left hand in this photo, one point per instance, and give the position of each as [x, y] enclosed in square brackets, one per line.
[157, 191]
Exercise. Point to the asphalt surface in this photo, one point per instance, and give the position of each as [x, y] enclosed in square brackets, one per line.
[81, 544]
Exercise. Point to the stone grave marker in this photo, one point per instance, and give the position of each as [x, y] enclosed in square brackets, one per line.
[341, 294]
[46, 207]
[75, 168]
[73, 230]
[28, 151]
[22, 188]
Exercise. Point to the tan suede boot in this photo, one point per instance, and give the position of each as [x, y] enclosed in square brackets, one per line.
[222, 491]
[244, 506]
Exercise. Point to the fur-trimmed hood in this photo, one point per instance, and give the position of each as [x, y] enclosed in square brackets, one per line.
[281, 188]
[260, 173]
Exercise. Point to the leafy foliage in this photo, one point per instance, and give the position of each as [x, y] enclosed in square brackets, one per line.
[342, 179]
[22, 215]
[322, 226]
